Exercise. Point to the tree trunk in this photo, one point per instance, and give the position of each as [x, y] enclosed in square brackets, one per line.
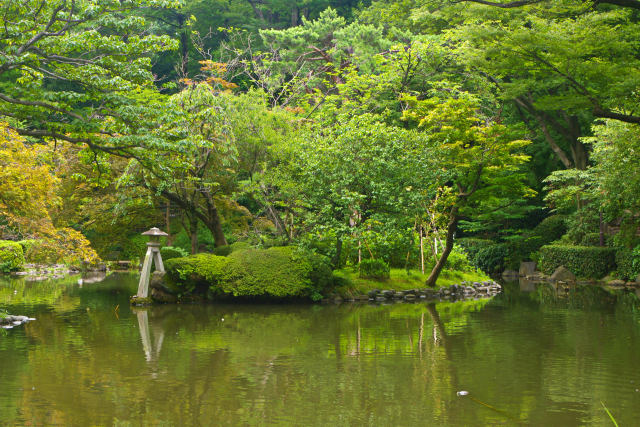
[421, 251]
[295, 16]
[214, 225]
[168, 224]
[451, 230]
[580, 154]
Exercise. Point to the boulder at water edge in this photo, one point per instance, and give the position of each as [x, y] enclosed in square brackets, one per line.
[563, 274]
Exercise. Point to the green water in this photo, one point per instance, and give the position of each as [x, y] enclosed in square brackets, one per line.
[525, 357]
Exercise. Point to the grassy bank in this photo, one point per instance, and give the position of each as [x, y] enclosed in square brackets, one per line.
[352, 284]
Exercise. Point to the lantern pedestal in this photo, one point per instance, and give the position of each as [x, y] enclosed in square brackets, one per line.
[151, 257]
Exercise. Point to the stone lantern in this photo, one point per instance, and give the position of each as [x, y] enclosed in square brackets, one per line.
[152, 256]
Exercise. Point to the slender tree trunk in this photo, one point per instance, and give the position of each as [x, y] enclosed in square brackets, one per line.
[452, 226]
[421, 250]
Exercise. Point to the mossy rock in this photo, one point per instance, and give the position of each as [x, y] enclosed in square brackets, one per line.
[139, 302]
[11, 256]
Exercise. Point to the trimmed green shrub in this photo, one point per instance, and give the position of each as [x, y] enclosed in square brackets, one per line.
[277, 272]
[201, 270]
[491, 259]
[628, 263]
[374, 269]
[583, 261]
[223, 250]
[228, 249]
[11, 256]
[170, 252]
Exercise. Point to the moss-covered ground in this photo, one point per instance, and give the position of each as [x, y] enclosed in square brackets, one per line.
[351, 284]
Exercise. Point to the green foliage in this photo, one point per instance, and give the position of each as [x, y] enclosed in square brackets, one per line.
[491, 259]
[134, 247]
[27, 244]
[583, 261]
[628, 263]
[278, 272]
[616, 151]
[374, 269]
[201, 270]
[551, 228]
[11, 256]
[170, 252]
[522, 247]
[228, 249]
[289, 62]
[458, 260]
[72, 70]
[472, 246]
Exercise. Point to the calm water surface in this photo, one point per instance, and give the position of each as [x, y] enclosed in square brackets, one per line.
[526, 357]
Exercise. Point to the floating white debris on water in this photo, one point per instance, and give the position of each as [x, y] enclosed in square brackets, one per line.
[462, 393]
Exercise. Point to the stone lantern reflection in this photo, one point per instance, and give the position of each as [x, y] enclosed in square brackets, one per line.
[152, 256]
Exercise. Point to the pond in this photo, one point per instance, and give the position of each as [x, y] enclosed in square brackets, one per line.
[527, 356]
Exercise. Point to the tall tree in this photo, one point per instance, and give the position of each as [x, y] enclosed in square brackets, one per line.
[69, 69]
[480, 159]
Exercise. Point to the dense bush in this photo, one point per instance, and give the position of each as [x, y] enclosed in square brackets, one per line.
[522, 247]
[11, 256]
[26, 245]
[170, 252]
[201, 270]
[134, 247]
[590, 239]
[491, 259]
[277, 272]
[628, 263]
[222, 250]
[551, 228]
[584, 261]
[472, 246]
[458, 260]
[374, 269]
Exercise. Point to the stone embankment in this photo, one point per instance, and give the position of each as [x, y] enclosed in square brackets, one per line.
[465, 290]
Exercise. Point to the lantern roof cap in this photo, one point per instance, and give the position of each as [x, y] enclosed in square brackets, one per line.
[154, 232]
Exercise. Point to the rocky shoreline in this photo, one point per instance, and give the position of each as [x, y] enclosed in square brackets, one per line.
[457, 292]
